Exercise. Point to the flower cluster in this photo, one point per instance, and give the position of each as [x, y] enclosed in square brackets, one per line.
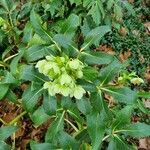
[131, 78]
[63, 73]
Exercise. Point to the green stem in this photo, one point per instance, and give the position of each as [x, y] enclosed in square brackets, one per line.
[1, 120]
[73, 126]
[17, 118]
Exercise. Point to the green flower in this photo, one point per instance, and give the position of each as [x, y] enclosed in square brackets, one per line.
[78, 92]
[65, 79]
[64, 73]
[40, 65]
[137, 81]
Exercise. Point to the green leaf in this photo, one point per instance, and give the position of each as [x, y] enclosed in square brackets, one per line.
[28, 32]
[67, 142]
[96, 129]
[123, 117]
[137, 130]
[108, 73]
[84, 105]
[39, 116]
[70, 25]
[4, 146]
[36, 23]
[7, 4]
[3, 90]
[30, 98]
[123, 95]
[44, 146]
[118, 143]
[11, 96]
[77, 2]
[142, 107]
[49, 104]
[95, 35]
[55, 127]
[144, 94]
[7, 131]
[14, 63]
[29, 73]
[90, 73]
[39, 51]
[98, 58]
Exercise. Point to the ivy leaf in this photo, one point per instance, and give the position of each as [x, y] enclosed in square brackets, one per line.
[7, 131]
[39, 116]
[49, 104]
[137, 130]
[123, 95]
[95, 35]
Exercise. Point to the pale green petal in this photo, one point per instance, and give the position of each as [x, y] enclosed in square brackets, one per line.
[74, 64]
[65, 79]
[137, 81]
[79, 74]
[47, 85]
[78, 92]
[65, 91]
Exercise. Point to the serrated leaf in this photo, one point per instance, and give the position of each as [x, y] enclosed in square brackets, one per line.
[7, 131]
[89, 73]
[54, 128]
[30, 98]
[14, 63]
[96, 129]
[44, 146]
[108, 73]
[84, 105]
[137, 130]
[39, 51]
[123, 95]
[123, 117]
[36, 23]
[118, 143]
[98, 58]
[95, 35]
[49, 104]
[66, 141]
[39, 116]
[3, 90]
[144, 94]
[4, 146]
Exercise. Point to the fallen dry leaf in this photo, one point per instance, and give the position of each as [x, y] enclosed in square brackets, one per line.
[144, 144]
[147, 26]
[123, 31]
[125, 55]
[105, 48]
